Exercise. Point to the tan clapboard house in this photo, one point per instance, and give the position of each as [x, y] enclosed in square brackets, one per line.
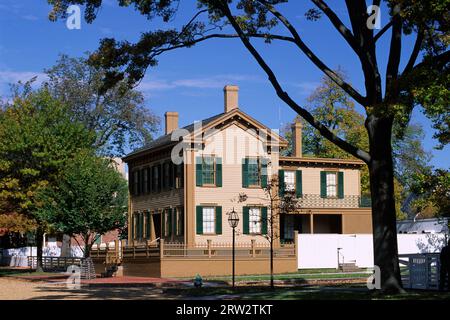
[184, 184]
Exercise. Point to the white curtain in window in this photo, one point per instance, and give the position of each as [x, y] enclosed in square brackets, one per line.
[209, 218]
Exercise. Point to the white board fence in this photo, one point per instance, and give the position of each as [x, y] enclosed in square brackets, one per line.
[328, 250]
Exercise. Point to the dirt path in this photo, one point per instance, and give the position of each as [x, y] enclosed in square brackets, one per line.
[14, 289]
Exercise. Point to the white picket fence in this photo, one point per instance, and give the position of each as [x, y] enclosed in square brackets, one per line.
[328, 250]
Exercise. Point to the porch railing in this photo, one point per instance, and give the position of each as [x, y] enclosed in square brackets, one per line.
[209, 249]
[349, 201]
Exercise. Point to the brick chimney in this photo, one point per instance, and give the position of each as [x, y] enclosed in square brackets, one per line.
[230, 95]
[171, 121]
[297, 139]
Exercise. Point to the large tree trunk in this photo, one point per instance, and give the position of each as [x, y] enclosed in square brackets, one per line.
[39, 244]
[383, 203]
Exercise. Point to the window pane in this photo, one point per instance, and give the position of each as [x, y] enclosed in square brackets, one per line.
[208, 170]
[331, 184]
[289, 180]
[209, 218]
[253, 172]
[255, 220]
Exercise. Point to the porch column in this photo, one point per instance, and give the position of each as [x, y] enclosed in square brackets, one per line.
[189, 197]
[311, 223]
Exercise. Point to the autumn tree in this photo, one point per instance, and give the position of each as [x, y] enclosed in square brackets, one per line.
[37, 141]
[390, 95]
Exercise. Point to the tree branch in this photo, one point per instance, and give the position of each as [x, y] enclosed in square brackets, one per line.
[394, 57]
[338, 24]
[382, 31]
[299, 42]
[415, 52]
[363, 155]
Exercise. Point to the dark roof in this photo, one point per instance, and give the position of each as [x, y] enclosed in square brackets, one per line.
[166, 139]
[433, 225]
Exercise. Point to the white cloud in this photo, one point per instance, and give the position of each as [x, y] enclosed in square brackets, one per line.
[7, 77]
[30, 17]
[210, 82]
[306, 88]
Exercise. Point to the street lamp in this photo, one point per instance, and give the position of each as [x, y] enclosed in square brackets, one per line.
[233, 220]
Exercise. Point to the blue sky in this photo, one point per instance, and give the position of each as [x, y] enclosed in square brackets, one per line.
[190, 81]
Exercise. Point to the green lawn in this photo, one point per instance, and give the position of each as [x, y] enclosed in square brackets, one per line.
[306, 274]
[347, 292]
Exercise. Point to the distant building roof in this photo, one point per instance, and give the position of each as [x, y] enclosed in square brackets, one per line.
[434, 225]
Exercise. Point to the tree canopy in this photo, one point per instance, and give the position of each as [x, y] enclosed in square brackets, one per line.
[89, 199]
[118, 115]
[37, 140]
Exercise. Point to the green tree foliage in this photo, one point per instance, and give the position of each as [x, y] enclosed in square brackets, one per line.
[89, 199]
[37, 140]
[434, 192]
[389, 95]
[118, 115]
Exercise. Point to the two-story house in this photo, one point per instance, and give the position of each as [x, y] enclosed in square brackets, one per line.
[184, 184]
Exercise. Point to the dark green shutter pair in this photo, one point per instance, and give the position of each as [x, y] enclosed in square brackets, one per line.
[245, 163]
[199, 220]
[246, 220]
[323, 184]
[199, 173]
[298, 183]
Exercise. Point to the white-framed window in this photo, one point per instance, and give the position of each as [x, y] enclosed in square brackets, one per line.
[209, 219]
[331, 184]
[254, 220]
[289, 180]
[209, 170]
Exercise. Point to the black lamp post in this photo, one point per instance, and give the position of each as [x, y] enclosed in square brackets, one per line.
[233, 220]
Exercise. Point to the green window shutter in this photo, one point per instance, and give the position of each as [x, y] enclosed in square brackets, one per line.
[149, 179]
[138, 231]
[264, 173]
[198, 171]
[218, 172]
[171, 175]
[341, 185]
[141, 227]
[245, 220]
[131, 225]
[323, 184]
[245, 172]
[298, 184]
[147, 231]
[163, 223]
[264, 220]
[98, 239]
[131, 183]
[169, 221]
[160, 177]
[143, 186]
[218, 220]
[281, 183]
[199, 220]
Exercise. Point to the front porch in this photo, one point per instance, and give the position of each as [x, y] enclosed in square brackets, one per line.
[165, 260]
